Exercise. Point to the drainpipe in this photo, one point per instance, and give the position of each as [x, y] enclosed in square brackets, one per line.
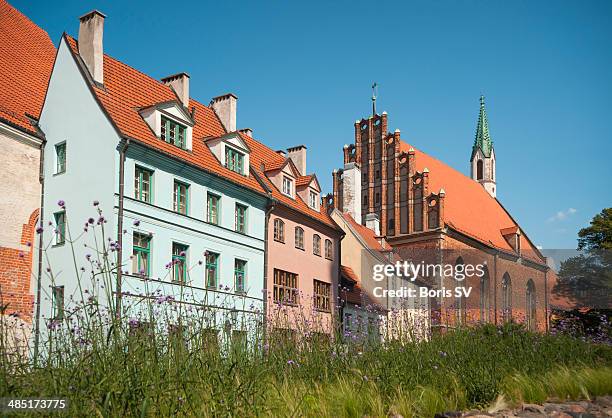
[269, 210]
[41, 179]
[120, 225]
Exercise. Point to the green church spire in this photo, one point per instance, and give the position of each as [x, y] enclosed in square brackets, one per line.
[483, 138]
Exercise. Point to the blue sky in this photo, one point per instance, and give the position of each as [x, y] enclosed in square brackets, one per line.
[303, 70]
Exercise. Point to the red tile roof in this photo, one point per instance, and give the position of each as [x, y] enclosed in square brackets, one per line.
[365, 233]
[355, 295]
[261, 154]
[468, 208]
[304, 180]
[127, 90]
[26, 60]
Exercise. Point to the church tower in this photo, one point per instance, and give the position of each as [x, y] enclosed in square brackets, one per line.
[483, 155]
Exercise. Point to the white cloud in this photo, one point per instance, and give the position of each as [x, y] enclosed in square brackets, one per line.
[562, 215]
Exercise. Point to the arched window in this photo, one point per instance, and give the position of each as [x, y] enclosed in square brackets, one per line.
[299, 238]
[530, 306]
[493, 170]
[329, 249]
[479, 170]
[506, 297]
[460, 301]
[484, 296]
[316, 244]
[279, 230]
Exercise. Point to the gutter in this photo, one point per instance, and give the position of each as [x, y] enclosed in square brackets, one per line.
[269, 210]
[41, 179]
[122, 152]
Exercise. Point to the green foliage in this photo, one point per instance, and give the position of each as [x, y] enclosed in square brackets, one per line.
[598, 236]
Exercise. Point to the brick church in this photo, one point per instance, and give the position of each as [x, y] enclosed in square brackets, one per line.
[425, 209]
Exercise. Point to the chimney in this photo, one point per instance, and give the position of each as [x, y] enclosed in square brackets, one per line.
[373, 223]
[225, 108]
[351, 191]
[91, 31]
[247, 132]
[180, 84]
[298, 155]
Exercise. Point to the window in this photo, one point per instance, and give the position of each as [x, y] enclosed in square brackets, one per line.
[173, 132]
[507, 297]
[322, 292]
[60, 158]
[285, 287]
[212, 214]
[57, 293]
[484, 297]
[479, 170]
[212, 269]
[313, 200]
[240, 218]
[329, 249]
[141, 251]
[60, 227]
[299, 238]
[240, 275]
[530, 308]
[142, 184]
[316, 244]
[181, 197]
[234, 160]
[279, 230]
[287, 186]
[179, 262]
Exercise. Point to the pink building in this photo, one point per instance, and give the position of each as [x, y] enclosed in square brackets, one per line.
[303, 244]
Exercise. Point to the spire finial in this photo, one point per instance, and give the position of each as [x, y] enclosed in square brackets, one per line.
[374, 94]
[483, 138]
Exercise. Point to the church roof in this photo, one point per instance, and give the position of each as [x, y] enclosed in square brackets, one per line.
[468, 207]
[483, 139]
[26, 60]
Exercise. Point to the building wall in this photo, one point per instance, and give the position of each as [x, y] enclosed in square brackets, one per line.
[71, 114]
[285, 256]
[20, 190]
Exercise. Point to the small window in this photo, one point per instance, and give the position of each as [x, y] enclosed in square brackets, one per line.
[364, 200]
[143, 179]
[212, 270]
[322, 293]
[316, 244]
[240, 276]
[313, 200]
[288, 186]
[299, 238]
[179, 262]
[479, 170]
[60, 158]
[329, 249]
[240, 221]
[174, 133]
[285, 287]
[141, 252]
[279, 230]
[234, 160]
[57, 293]
[181, 197]
[60, 227]
[212, 214]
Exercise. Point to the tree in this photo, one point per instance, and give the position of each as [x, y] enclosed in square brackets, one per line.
[598, 236]
[586, 279]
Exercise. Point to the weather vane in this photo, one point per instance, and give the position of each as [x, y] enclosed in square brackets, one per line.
[374, 94]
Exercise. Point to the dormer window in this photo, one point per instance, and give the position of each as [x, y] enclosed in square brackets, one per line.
[287, 186]
[173, 132]
[313, 200]
[234, 160]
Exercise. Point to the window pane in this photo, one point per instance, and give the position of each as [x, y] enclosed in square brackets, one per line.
[211, 269]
